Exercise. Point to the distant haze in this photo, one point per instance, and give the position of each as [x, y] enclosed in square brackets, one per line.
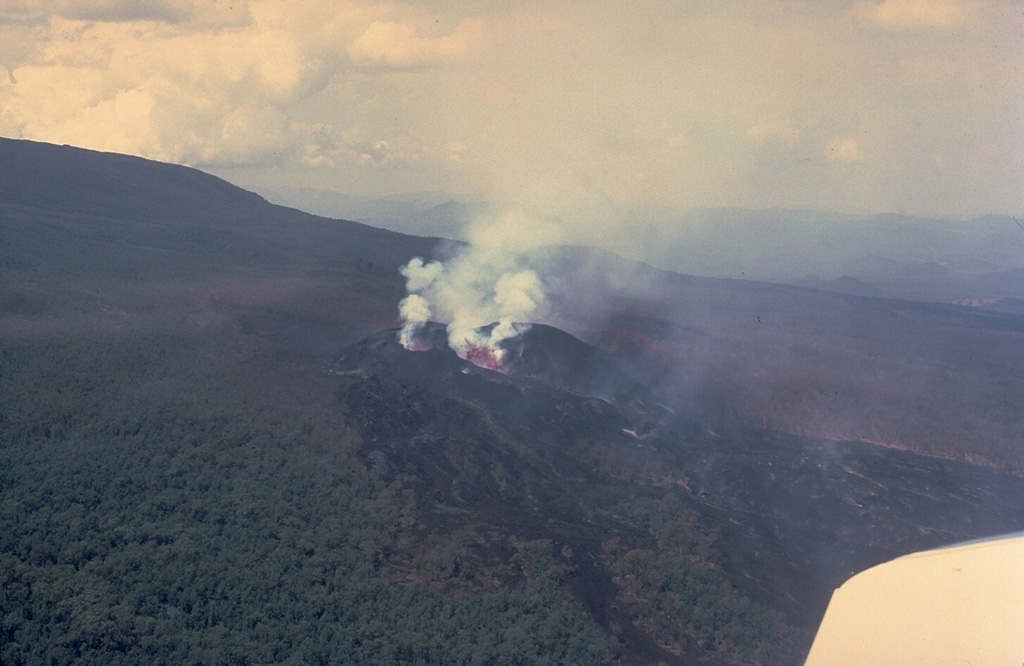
[574, 113]
[966, 261]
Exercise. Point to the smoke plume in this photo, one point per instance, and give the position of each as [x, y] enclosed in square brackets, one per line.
[484, 294]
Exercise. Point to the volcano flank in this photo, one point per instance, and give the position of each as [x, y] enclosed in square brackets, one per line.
[643, 513]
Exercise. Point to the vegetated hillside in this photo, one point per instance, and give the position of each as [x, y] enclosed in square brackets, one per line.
[108, 241]
[69, 212]
[211, 452]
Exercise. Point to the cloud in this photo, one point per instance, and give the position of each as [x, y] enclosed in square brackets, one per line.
[398, 45]
[215, 83]
[570, 115]
[174, 94]
[843, 149]
[327, 145]
[170, 11]
[916, 14]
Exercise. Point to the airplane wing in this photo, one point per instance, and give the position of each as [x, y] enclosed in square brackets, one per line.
[962, 605]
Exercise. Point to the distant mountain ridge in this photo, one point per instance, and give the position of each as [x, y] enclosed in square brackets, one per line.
[842, 285]
[81, 180]
[164, 209]
[889, 253]
[418, 213]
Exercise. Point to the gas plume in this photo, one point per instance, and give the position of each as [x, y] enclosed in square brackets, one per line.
[484, 294]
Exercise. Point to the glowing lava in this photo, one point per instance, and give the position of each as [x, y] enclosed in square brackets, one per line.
[484, 356]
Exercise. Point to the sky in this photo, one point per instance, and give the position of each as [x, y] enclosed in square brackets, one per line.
[565, 110]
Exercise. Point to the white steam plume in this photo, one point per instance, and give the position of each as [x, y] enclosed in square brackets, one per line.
[418, 275]
[414, 309]
[415, 312]
[480, 286]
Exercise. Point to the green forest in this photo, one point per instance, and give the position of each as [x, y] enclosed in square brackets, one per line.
[161, 506]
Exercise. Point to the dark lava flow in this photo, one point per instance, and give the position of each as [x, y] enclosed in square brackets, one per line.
[559, 444]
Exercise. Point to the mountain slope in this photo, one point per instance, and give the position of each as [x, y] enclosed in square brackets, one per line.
[84, 234]
[679, 539]
[213, 448]
[58, 196]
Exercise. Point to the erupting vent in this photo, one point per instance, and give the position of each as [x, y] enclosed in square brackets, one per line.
[481, 294]
[485, 357]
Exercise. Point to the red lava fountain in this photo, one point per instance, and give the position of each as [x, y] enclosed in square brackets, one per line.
[484, 356]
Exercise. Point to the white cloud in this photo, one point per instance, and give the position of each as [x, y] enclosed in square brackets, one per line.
[916, 14]
[395, 44]
[201, 97]
[572, 114]
[209, 92]
[843, 149]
